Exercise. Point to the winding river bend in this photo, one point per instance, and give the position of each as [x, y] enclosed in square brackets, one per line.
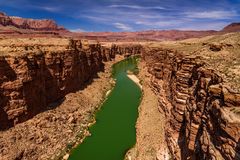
[114, 131]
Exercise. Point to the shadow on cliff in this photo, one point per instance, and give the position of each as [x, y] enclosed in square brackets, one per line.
[237, 150]
[51, 89]
[72, 85]
[182, 139]
[45, 87]
[3, 117]
[61, 99]
[6, 74]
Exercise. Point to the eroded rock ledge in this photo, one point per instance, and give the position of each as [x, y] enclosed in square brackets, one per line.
[202, 113]
[34, 73]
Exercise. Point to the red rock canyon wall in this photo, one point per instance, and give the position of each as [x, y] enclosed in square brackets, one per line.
[31, 81]
[199, 108]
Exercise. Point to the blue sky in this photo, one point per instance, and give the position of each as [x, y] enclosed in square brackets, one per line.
[128, 15]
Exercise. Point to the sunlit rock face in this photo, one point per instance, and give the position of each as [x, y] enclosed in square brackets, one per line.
[199, 108]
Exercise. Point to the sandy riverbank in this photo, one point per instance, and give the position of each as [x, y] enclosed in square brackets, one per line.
[150, 144]
[135, 79]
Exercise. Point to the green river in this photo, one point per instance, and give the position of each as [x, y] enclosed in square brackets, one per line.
[114, 131]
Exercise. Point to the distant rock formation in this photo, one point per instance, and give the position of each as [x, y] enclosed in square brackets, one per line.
[24, 23]
[233, 27]
[11, 26]
[150, 35]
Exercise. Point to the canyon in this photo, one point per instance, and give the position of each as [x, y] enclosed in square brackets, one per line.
[45, 87]
[38, 72]
[197, 97]
[50, 89]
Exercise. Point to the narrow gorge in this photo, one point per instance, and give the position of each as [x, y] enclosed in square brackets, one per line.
[50, 90]
[45, 82]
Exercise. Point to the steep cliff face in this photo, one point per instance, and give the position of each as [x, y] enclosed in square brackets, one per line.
[32, 76]
[203, 120]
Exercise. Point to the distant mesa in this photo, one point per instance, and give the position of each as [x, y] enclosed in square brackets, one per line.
[13, 26]
[233, 27]
[25, 23]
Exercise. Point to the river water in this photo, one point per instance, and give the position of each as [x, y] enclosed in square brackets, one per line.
[114, 131]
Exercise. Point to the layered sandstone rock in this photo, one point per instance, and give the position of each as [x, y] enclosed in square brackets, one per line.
[37, 72]
[203, 120]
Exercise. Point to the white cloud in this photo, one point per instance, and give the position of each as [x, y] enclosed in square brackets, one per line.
[50, 9]
[138, 19]
[152, 16]
[204, 26]
[122, 26]
[136, 7]
[159, 23]
[211, 14]
[77, 30]
[103, 18]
